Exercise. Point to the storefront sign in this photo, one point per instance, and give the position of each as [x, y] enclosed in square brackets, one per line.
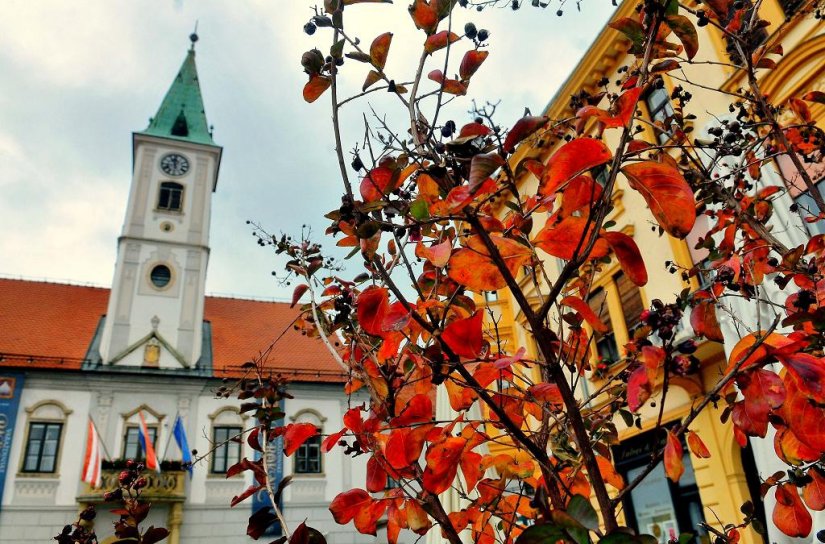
[11, 386]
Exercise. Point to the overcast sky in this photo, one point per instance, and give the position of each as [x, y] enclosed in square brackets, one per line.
[79, 77]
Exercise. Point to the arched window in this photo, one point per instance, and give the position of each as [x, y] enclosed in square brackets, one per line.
[307, 459]
[170, 197]
[227, 426]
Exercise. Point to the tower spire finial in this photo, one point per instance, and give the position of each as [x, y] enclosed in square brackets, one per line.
[193, 37]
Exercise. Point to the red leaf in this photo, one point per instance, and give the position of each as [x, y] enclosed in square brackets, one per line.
[251, 490]
[809, 373]
[666, 192]
[439, 41]
[396, 318]
[546, 392]
[804, 417]
[697, 446]
[789, 515]
[574, 158]
[346, 505]
[629, 256]
[379, 49]
[790, 449]
[298, 293]
[404, 446]
[464, 336]
[417, 519]
[376, 475]
[579, 195]
[296, 434]
[815, 96]
[639, 388]
[814, 491]
[762, 390]
[704, 322]
[586, 312]
[331, 441]
[625, 107]
[523, 128]
[474, 129]
[371, 307]
[260, 521]
[376, 184]
[673, 458]
[471, 62]
[471, 469]
[442, 464]
[473, 267]
[419, 409]
[566, 238]
[315, 87]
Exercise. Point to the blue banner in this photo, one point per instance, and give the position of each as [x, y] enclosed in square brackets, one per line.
[275, 464]
[11, 387]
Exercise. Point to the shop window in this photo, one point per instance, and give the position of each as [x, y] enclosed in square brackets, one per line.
[658, 506]
[170, 197]
[308, 456]
[131, 442]
[227, 451]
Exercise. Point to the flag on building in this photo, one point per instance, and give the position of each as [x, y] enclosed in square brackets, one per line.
[180, 437]
[93, 459]
[150, 459]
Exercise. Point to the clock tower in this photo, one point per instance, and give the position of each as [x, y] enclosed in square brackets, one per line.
[155, 312]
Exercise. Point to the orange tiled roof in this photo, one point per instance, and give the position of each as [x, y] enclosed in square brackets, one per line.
[50, 325]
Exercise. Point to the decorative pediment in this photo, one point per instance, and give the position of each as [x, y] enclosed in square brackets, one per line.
[152, 344]
[143, 408]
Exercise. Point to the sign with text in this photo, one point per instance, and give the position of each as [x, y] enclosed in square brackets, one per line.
[11, 386]
[275, 468]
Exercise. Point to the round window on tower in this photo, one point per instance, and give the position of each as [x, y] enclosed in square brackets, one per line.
[160, 276]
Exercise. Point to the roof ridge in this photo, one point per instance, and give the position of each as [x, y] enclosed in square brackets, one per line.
[52, 281]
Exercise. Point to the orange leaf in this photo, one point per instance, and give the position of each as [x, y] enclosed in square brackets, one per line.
[697, 446]
[439, 41]
[586, 312]
[474, 129]
[814, 491]
[579, 195]
[417, 519]
[471, 62]
[686, 33]
[424, 16]
[371, 308]
[442, 464]
[789, 514]
[296, 434]
[438, 254]
[419, 409]
[565, 238]
[673, 458]
[809, 373]
[315, 87]
[629, 256]
[804, 417]
[666, 192]
[379, 49]
[625, 107]
[404, 447]
[546, 392]
[574, 158]
[464, 336]
[473, 267]
[609, 473]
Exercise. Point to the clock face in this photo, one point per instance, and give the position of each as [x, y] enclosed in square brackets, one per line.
[174, 164]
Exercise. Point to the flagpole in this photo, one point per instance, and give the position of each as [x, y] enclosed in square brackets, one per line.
[100, 438]
[169, 438]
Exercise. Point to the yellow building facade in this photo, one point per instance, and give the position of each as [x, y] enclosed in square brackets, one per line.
[719, 485]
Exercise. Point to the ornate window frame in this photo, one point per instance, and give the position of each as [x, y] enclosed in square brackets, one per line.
[32, 417]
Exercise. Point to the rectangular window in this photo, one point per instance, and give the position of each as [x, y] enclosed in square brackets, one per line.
[631, 298]
[491, 296]
[170, 197]
[42, 447]
[227, 451]
[605, 342]
[661, 112]
[308, 456]
[131, 442]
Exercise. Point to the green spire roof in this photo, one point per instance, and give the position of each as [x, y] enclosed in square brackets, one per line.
[181, 115]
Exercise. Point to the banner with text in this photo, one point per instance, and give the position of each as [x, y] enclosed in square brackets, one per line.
[275, 466]
[11, 387]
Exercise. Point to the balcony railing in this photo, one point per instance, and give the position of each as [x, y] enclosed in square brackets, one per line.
[168, 486]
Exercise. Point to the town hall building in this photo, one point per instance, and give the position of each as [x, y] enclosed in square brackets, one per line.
[155, 346]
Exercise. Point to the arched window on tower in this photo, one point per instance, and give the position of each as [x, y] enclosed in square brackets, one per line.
[170, 197]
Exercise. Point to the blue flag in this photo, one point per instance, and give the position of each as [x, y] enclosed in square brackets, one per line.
[180, 437]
